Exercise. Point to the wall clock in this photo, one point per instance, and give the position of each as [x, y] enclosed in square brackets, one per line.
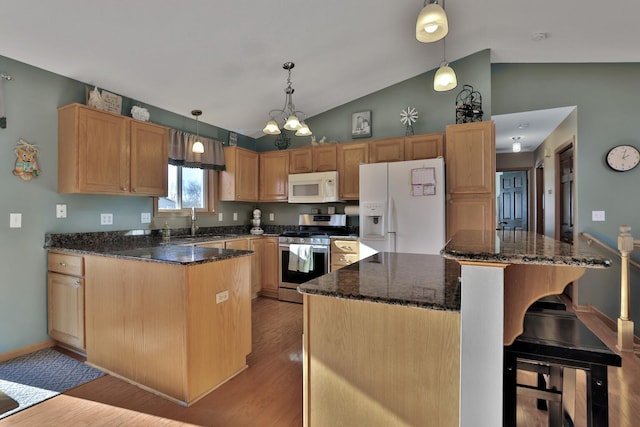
[622, 158]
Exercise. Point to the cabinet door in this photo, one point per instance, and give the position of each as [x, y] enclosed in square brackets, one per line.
[270, 267]
[66, 309]
[428, 146]
[239, 182]
[470, 158]
[300, 160]
[274, 176]
[103, 152]
[149, 158]
[324, 158]
[240, 244]
[257, 246]
[350, 157]
[470, 212]
[219, 245]
[386, 150]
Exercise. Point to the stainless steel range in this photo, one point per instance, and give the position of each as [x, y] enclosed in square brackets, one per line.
[304, 252]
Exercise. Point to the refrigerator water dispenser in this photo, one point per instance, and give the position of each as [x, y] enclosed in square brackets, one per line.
[373, 213]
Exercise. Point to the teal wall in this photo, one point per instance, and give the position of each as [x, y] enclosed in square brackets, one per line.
[606, 116]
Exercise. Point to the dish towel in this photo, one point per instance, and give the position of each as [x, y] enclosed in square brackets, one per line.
[300, 258]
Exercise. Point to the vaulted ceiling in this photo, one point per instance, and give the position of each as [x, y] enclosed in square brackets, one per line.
[225, 57]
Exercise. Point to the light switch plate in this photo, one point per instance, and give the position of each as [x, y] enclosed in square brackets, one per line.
[220, 216]
[15, 220]
[106, 219]
[61, 210]
[222, 296]
[597, 216]
[235, 216]
[145, 217]
[272, 216]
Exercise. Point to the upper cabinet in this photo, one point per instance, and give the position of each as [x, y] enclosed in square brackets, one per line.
[427, 146]
[350, 156]
[239, 181]
[317, 158]
[386, 150]
[105, 153]
[300, 160]
[274, 176]
[470, 177]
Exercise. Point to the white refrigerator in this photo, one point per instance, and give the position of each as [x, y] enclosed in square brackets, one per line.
[402, 207]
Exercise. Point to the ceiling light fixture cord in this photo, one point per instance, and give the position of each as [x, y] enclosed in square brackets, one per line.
[198, 146]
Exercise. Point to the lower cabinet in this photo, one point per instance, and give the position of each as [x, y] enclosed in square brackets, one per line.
[343, 253]
[265, 266]
[65, 293]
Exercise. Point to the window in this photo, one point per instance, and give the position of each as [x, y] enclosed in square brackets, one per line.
[187, 188]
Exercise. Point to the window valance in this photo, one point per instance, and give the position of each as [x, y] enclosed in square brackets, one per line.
[180, 153]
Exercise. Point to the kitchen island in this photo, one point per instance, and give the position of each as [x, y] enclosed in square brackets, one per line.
[174, 320]
[379, 339]
[397, 339]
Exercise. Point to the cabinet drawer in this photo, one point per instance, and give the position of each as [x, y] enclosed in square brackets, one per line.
[344, 246]
[65, 264]
[343, 259]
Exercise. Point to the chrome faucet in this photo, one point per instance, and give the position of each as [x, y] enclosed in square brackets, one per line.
[194, 224]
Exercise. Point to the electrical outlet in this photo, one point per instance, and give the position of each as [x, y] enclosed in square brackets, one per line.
[235, 216]
[597, 216]
[220, 216]
[61, 211]
[272, 216]
[145, 217]
[15, 220]
[222, 296]
[106, 219]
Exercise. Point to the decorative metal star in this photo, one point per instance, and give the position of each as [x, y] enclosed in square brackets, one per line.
[409, 116]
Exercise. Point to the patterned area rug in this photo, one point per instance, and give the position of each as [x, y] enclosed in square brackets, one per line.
[39, 376]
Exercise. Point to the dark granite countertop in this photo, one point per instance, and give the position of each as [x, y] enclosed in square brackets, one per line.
[519, 247]
[145, 246]
[427, 281]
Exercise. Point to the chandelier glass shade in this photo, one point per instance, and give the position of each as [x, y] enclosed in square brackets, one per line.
[197, 146]
[291, 118]
[432, 24]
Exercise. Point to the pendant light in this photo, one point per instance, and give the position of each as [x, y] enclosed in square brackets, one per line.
[432, 24]
[197, 146]
[288, 113]
[445, 78]
[516, 147]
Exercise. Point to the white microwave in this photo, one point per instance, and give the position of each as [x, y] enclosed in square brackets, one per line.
[315, 187]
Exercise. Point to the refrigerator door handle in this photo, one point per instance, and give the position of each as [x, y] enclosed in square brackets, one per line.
[392, 241]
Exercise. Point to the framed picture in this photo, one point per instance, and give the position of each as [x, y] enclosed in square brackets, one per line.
[361, 124]
[233, 138]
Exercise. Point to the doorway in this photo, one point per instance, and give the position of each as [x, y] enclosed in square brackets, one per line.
[513, 200]
[565, 192]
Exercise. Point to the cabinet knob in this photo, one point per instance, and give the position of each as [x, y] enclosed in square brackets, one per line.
[62, 264]
[124, 188]
[134, 190]
[76, 284]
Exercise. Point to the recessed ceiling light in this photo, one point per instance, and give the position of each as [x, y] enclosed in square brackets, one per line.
[538, 36]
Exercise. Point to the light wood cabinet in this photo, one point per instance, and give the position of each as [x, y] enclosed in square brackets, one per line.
[160, 325]
[343, 252]
[470, 177]
[324, 157]
[350, 156]
[386, 150]
[237, 244]
[274, 176]
[65, 293]
[239, 182]
[427, 146]
[266, 266]
[301, 160]
[105, 153]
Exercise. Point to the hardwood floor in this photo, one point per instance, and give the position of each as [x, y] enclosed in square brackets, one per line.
[269, 393]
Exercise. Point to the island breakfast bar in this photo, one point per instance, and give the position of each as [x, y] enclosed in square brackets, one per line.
[408, 339]
[503, 273]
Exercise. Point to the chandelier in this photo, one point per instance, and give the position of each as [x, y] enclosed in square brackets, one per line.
[287, 114]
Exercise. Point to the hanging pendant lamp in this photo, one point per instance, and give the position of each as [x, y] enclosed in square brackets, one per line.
[197, 147]
[445, 78]
[432, 24]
